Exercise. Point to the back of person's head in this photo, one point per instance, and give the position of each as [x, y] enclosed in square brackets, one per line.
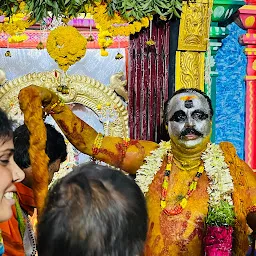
[93, 211]
[55, 145]
[5, 127]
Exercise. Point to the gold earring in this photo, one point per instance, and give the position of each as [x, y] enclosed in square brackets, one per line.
[166, 127]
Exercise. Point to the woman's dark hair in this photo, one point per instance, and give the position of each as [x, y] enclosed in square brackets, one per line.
[93, 211]
[5, 126]
[55, 145]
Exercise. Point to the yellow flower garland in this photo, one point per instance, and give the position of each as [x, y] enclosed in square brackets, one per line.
[16, 25]
[113, 26]
[66, 46]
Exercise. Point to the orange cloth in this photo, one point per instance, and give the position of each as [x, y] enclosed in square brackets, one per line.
[13, 241]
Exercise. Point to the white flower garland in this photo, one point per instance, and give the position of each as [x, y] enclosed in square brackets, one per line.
[221, 182]
[153, 162]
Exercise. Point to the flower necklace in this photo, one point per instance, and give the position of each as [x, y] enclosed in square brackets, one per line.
[192, 187]
[220, 187]
[221, 215]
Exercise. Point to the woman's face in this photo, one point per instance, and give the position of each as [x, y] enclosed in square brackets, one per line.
[9, 173]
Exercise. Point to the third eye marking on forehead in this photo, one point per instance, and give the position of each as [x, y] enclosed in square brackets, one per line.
[189, 104]
[188, 97]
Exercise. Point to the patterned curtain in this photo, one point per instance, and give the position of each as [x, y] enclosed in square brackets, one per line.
[148, 82]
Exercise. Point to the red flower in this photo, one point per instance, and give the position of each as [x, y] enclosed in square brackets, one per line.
[218, 241]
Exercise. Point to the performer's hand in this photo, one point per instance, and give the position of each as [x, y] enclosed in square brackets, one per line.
[46, 95]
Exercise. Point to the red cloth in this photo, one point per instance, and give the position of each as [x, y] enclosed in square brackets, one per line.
[13, 242]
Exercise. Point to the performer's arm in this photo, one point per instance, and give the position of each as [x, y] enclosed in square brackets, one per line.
[125, 154]
[245, 180]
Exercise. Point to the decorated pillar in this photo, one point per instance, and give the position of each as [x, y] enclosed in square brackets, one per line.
[222, 11]
[248, 18]
[192, 44]
[216, 33]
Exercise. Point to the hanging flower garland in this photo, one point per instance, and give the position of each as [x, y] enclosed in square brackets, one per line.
[153, 162]
[110, 26]
[30, 104]
[66, 46]
[16, 24]
[221, 216]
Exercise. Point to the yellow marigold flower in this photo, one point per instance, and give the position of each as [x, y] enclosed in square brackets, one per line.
[22, 5]
[102, 41]
[18, 16]
[66, 46]
[103, 52]
[150, 42]
[17, 38]
[137, 26]
[145, 22]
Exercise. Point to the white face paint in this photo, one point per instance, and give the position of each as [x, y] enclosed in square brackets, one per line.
[189, 119]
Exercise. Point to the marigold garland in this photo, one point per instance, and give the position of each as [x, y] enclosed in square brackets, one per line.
[30, 104]
[110, 26]
[16, 24]
[66, 46]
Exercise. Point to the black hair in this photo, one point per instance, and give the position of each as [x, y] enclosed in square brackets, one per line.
[93, 211]
[5, 126]
[55, 145]
[187, 90]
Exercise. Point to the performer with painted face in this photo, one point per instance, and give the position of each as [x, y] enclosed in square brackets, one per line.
[198, 194]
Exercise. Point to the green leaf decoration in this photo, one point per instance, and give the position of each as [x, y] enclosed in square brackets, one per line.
[128, 9]
[221, 215]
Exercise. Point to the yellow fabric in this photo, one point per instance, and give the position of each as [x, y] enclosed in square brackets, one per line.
[183, 234]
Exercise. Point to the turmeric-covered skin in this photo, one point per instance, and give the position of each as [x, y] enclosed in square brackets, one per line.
[180, 234]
